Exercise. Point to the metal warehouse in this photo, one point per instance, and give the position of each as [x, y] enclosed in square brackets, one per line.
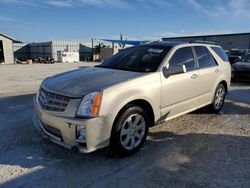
[227, 41]
[6, 49]
[51, 49]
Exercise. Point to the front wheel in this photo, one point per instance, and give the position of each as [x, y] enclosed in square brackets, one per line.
[219, 98]
[129, 131]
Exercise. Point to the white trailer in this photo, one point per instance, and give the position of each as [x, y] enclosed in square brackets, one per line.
[68, 57]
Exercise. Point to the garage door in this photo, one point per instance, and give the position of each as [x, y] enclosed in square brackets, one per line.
[1, 52]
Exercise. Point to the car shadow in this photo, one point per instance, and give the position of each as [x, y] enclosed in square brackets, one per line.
[167, 159]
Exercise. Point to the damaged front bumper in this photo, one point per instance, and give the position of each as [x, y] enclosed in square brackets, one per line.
[61, 128]
[39, 126]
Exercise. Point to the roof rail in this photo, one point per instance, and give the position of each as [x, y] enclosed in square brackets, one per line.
[203, 42]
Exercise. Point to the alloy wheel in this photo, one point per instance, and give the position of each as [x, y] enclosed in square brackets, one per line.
[133, 131]
[219, 98]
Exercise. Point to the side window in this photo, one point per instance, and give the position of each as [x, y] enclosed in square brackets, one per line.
[182, 56]
[205, 58]
[212, 59]
[220, 53]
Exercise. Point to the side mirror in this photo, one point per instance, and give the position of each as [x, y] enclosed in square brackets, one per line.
[177, 70]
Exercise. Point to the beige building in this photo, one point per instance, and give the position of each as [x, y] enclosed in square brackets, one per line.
[6, 49]
[109, 51]
[106, 52]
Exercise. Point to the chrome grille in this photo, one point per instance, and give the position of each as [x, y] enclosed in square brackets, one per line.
[52, 102]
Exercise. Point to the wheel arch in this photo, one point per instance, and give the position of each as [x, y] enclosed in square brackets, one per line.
[141, 103]
[224, 83]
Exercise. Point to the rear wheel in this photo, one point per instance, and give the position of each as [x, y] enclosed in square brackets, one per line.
[129, 131]
[219, 98]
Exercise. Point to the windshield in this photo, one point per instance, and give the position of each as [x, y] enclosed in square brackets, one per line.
[137, 59]
[245, 58]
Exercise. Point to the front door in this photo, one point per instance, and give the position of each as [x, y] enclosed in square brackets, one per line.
[180, 92]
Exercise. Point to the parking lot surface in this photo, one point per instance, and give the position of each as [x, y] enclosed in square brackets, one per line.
[195, 150]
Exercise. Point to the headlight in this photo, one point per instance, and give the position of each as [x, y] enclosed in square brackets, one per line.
[90, 105]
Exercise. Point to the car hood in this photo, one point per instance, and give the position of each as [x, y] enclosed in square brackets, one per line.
[241, 66]
[79, 82]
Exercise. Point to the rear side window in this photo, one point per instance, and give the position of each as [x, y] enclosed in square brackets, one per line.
[220, 53]
[204, 57]
[182, 56]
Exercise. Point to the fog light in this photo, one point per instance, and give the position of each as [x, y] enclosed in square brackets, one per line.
[80, 133]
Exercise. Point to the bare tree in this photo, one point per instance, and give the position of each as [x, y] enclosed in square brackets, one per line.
[122, 45]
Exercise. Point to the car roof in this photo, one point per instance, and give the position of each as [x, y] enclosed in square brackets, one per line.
[163, 44]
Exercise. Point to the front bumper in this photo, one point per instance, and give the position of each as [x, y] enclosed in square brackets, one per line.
[97, 130]
[39, 126]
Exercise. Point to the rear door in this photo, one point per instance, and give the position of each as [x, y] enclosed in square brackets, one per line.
[209, 72]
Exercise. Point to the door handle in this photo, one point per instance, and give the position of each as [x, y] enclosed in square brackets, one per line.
[217, 70]
[194, 76]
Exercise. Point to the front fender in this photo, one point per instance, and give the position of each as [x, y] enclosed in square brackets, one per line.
[147, 88]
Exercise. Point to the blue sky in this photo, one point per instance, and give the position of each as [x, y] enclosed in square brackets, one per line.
[34, 20]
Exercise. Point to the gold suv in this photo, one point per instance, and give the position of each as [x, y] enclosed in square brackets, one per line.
[115, 103]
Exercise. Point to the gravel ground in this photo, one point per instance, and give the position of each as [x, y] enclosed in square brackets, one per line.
[195, 150]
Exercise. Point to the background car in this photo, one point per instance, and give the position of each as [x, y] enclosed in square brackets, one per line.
[241, 69]
[235, 54]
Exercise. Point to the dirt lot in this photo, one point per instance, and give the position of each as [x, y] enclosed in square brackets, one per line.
[195, 150]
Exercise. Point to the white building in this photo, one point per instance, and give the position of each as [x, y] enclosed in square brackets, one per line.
[6, 49]
[52, 49]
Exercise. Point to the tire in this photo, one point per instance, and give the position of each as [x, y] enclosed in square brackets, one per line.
[218, 99]
[129, 131]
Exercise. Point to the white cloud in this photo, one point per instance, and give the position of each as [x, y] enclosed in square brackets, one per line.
[60, 3]
[149, 4]
[240, 8]
[6, 19]
[118, 3]
[70, 3]
[214, 10]
[106, 3]
[19, 2]
[9, 1]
